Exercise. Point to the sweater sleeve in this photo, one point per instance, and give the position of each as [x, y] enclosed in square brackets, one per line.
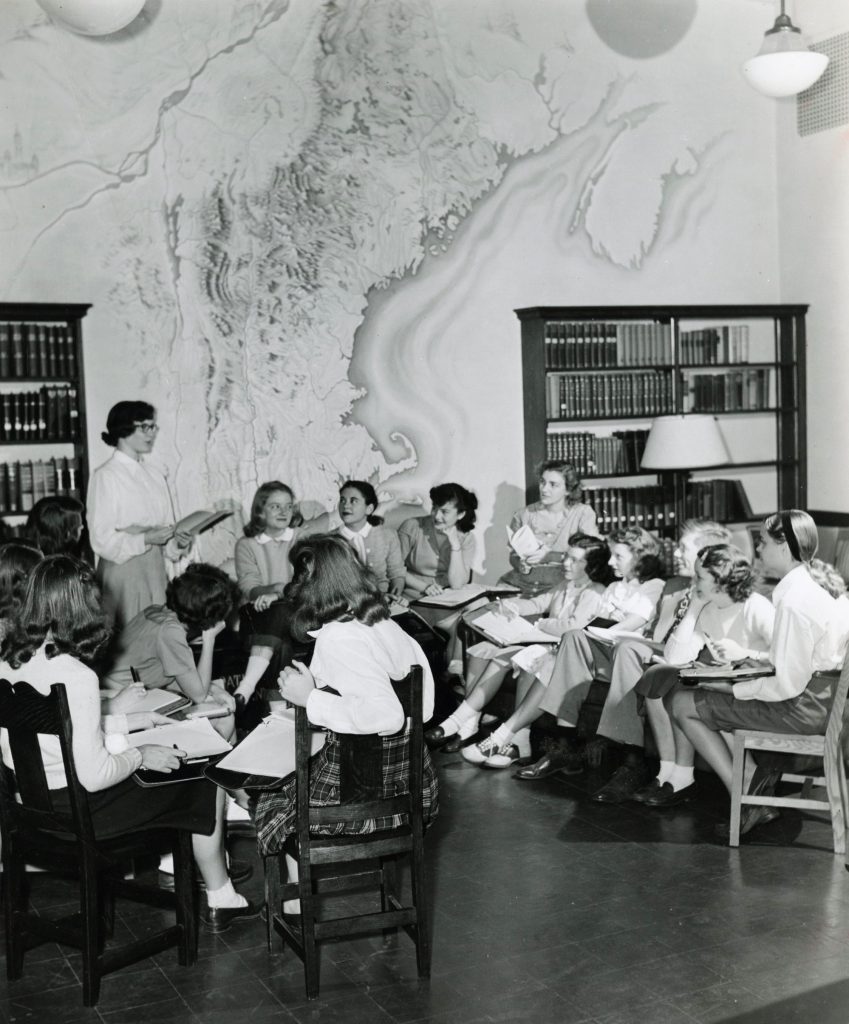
[96, 767]
[247, 569]
[103, 512]
[394, 559]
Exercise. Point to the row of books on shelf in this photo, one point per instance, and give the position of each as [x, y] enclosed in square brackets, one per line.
[37, 350]
[23, 483]
[49, 414]
[712, 345]
[620, 452]
[642, 393]
[732, 391]
[587, 343]
[653, 507]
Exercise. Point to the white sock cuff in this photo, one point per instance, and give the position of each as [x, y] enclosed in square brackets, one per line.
[666, 768]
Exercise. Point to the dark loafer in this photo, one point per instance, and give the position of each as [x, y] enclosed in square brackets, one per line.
[219, 919]
[436, 737]
[669, 797]
[750, 818]
[642, 795]
[625, 782]
[566, 762]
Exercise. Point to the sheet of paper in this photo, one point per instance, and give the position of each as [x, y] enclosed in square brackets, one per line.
[454, 596]
[613, 636]
[195, 738]
[523, 541]
[527, 657]
[202, 520]
[270, 748]
[512, 631]
[155, 699]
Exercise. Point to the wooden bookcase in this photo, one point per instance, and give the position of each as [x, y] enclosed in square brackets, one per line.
[595, 376]
[42, 405]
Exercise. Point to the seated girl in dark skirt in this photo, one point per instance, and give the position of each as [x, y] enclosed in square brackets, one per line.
[359, 650]
[61, 631]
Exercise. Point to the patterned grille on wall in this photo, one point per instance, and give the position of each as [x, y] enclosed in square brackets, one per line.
[826, 104]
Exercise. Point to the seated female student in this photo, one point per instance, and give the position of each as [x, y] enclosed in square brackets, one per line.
[570, 605]
[55, 525]
[61, 631]
[156, 641]
[375, 544]
[359, 650]
[630, 602]
[552, 520]
[439, 553]
[808, 647]
[723, 607]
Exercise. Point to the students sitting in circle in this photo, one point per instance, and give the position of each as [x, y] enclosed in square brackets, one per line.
[570, 605]
[552, 520]
[156, 641]
[807, 650]
[629, 603]
[60, 633]
[620, 722]
[723, 608]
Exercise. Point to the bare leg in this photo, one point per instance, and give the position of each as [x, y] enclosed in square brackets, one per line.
[661, 725]
[527, 709]
[258, 662]
[209, 850]
[488, 684]
[708, 743]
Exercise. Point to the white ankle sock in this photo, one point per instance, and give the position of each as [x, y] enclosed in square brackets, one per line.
[463, 720]
[502, 735]
[522, 739]
[666, 769]
[226, 896]
[680, 777]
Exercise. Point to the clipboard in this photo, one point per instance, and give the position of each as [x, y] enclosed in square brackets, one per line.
[189, 771]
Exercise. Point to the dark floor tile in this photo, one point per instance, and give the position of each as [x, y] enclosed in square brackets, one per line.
[718, 1003]
[123, 990]
[417, 1000]
[41, 977]
[243, 997]
[355, 1008]
[165, 1011]
[61, 1006]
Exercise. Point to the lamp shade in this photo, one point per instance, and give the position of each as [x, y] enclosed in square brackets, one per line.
[93, 17]
[684, 442]
[784, 66]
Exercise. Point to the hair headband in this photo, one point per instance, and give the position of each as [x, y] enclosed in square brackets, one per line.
[790, 536]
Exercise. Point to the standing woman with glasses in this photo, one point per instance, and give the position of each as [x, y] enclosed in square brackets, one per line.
[131, 517]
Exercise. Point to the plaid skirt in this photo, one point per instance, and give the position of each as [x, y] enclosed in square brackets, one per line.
[275, 809]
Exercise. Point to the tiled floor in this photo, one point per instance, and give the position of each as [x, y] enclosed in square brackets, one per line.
[547, 908]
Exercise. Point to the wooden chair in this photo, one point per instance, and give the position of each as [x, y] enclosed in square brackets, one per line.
[320, 856]
[828, 747]
[36, 831]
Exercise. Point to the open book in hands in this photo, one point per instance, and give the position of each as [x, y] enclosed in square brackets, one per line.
[523, 541]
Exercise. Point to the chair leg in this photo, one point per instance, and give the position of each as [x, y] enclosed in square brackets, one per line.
[835, 784]
[308, 901]
[185, 897]
[388, 888]
[91, 939]
[15, 913]
[272, 880]
[737, 765]
[419, 894]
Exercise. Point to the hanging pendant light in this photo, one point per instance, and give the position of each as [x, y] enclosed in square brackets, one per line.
[784, 66]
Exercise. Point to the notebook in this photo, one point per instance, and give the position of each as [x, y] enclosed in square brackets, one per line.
[166, 702]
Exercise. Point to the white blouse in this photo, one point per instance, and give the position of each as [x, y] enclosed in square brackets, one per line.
[359, 662]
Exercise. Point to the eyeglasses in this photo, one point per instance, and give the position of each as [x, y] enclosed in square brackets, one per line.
[148, 427]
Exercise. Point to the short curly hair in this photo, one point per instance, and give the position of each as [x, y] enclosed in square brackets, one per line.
[202, 596]
[644, 547]
[730, 568]
[464, 501]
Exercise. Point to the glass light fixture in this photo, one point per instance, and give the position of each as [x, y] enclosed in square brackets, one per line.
[784, 66]
[92, 17]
